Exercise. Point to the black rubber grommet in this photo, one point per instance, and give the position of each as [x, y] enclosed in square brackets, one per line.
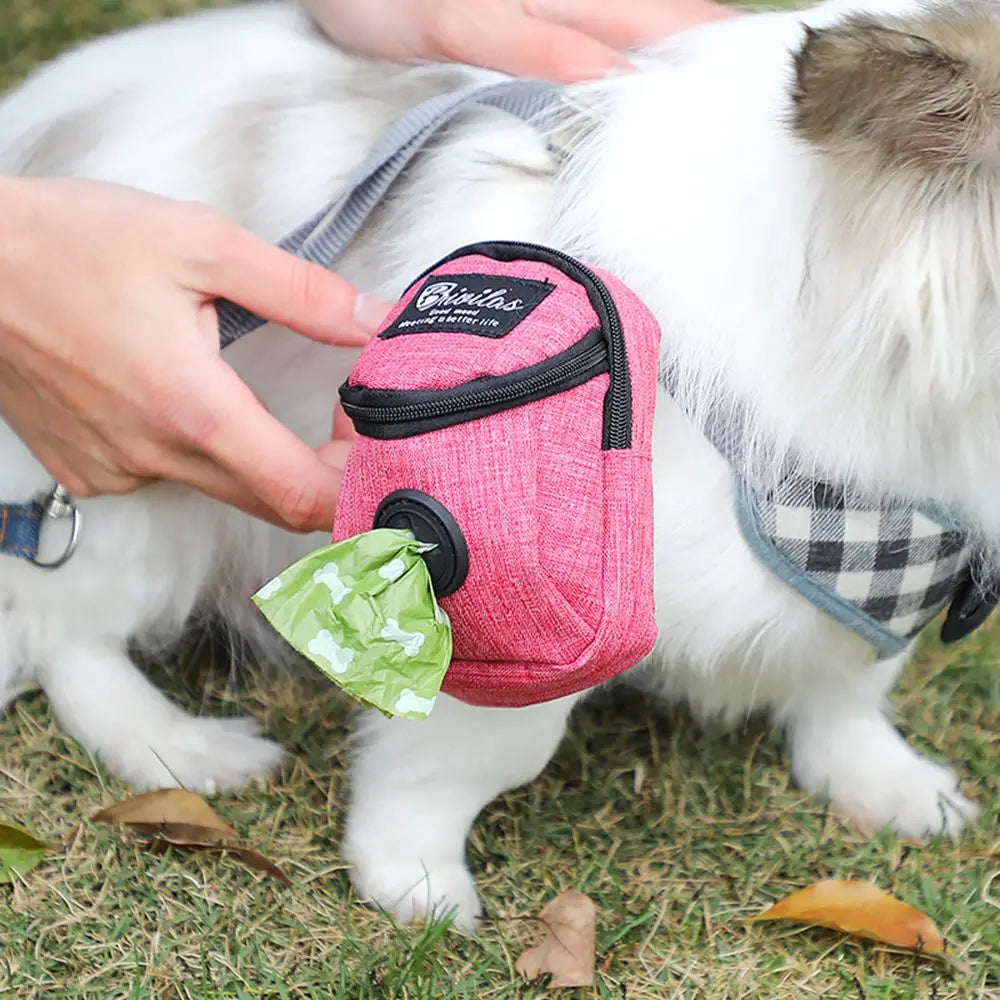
[430, 521]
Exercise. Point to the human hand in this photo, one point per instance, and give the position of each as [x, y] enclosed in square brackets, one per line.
[567, 41]
[110, 367]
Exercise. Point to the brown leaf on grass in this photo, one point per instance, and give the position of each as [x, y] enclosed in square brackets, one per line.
[167, 805]
[568, 949]
[20, 851]
[184, 834]
[182, 819]
[254, 859]
[861, 909]
[191, 837]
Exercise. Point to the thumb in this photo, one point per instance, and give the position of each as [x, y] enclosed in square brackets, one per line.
[342, 428]
[334, 453]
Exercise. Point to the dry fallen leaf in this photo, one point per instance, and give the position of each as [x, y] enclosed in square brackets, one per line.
[20, 851]
[568, 949]
[182, 819]
[861, 909]
[168, 805]
[254, 859]
[187, 835]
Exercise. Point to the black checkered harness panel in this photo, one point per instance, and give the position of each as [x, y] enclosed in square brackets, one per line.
[883, 569]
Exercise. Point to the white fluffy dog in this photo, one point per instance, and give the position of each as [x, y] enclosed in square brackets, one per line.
[818, 233]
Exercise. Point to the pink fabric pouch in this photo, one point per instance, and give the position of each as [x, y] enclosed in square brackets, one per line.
[505, 413]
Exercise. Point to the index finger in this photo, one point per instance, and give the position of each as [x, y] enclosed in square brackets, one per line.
[288, 290]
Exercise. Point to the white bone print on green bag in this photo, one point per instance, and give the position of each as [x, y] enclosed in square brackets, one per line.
[364, 612]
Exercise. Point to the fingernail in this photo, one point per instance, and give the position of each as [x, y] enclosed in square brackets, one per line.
[622, 66]
[606, 69]
[370, 313]
[334, 454]
[622, 69]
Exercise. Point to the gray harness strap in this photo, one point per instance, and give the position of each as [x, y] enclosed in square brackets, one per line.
[323, 238]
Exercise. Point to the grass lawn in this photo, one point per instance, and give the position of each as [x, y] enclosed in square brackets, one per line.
[678, 834]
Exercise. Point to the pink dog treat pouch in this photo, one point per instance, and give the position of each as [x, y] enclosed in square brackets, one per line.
[504, 415]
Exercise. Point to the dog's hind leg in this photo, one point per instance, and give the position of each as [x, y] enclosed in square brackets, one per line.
[101, 698]
[417, 786]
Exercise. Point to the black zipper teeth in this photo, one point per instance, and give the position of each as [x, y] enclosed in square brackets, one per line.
[618, 433]
[593, 358]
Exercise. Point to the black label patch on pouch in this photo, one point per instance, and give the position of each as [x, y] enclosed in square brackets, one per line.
[487, 305]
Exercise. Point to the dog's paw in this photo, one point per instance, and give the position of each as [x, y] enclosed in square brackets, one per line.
[924, 800]
[198, 753]
[413, 892]
[869, 774]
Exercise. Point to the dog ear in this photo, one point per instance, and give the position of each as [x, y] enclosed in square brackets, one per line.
[924, 92]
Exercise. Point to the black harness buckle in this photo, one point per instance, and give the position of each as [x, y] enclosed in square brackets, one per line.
[972, 604]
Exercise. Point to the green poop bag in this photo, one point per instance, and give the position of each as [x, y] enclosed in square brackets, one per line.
[363, 610]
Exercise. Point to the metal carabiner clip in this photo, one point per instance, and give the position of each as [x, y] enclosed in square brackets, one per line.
[57, 505]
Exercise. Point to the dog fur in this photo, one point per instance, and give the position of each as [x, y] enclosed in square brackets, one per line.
[811, 214]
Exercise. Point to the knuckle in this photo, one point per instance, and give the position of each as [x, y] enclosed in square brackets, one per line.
[76, 485]
[140, 459]
[83, 478]
[307, 285]
[120, 484]
[100, 482]
[173, 415]
[447, 29]
[209, 232]
[303, 509]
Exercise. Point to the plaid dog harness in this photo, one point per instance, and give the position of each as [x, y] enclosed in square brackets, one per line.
[882, 567]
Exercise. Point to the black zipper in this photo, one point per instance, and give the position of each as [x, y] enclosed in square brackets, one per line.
[399, 413]
[618, 403]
